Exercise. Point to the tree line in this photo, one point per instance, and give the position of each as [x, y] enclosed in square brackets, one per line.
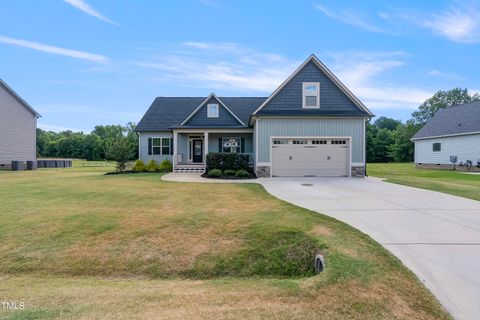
[90, 146]
[389, 140]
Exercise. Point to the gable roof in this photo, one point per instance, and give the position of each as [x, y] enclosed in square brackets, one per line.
[212, 95]
[362, 108]
[166, 113]
[19, 99]
[455, 120]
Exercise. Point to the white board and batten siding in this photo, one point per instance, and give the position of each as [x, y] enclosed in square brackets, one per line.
[17, 130]
[465, 147]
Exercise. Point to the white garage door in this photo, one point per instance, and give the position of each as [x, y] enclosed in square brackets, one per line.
[310, 157]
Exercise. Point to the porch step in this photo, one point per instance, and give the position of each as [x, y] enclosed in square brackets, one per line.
[189, 169]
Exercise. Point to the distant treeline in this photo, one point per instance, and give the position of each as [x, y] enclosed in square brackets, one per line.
[90, 146]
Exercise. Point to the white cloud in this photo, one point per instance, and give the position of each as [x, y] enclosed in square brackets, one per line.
[91, 112]
[361, 71]
[49, 127]
[458, 24]
[221, 65]
[350, 17]
[86, 8]
[444, 75]
[54, 50]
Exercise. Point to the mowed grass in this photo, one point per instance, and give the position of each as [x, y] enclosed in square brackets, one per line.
[76, 244]
[447, 181]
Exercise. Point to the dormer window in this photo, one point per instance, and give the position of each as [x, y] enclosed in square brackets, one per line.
[311, 95]
[212, 110]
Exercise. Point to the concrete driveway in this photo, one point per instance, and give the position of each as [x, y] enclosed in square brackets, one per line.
[436, 235]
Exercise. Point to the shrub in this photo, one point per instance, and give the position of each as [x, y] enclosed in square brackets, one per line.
[242, 173]
[165, 166]
[214, 173]
[120, 151]
[229, 172]
[225, 161]
[139, 166]
[152, 166]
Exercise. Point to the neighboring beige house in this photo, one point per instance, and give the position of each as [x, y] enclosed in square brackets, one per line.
[18, 124]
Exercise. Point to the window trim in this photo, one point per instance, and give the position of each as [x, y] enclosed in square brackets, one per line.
[161, 145]
[307, 84]
[439, 147]
[209, 114]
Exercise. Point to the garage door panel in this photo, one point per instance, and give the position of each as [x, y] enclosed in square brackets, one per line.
[290, 160]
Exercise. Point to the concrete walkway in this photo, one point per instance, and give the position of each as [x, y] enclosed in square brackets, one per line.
[197, 177]
[436, 235]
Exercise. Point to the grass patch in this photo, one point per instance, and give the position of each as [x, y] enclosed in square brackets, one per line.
[446, 181]
[279, 252]
[136, 247]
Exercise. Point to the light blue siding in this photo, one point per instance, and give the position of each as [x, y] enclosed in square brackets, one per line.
[465, 147]
[143, 146]
[349, 127]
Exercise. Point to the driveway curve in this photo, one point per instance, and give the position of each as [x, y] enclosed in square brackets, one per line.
[434, 234]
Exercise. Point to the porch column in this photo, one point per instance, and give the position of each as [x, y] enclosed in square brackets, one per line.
[205, 147]
[175, 139]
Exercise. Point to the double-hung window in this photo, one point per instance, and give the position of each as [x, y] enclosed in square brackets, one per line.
[156, 146]
[212, 110]
[160, 146]
[436, 147]
[311, 95]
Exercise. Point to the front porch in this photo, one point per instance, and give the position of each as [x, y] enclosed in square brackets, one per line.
[192, 146]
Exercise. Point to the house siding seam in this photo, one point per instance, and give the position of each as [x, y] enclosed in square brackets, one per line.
[290, 96]
[464, 147]
[200, 119]
[143, 146]
[17, 130]
[351, 127]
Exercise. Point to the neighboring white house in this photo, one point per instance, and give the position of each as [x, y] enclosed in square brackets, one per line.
[18, 124]
[452, 132]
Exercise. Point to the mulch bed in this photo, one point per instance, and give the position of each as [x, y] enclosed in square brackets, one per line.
[129, 172]
[251, 176]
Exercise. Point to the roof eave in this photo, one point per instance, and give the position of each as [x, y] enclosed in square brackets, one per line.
[19, 99]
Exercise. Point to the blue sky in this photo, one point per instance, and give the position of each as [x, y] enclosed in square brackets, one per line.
[86, 62]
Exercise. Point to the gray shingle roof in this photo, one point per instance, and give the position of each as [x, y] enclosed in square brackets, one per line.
[169, 112]
[460, 119]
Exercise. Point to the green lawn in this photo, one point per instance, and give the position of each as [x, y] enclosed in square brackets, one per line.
[76, 244]
[447, 181]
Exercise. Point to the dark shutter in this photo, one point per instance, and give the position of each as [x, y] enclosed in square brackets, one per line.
[171, 146]
[220, 149]
[242, 145]
[149, 146]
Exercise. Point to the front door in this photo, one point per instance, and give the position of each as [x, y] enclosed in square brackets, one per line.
[197, 151]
